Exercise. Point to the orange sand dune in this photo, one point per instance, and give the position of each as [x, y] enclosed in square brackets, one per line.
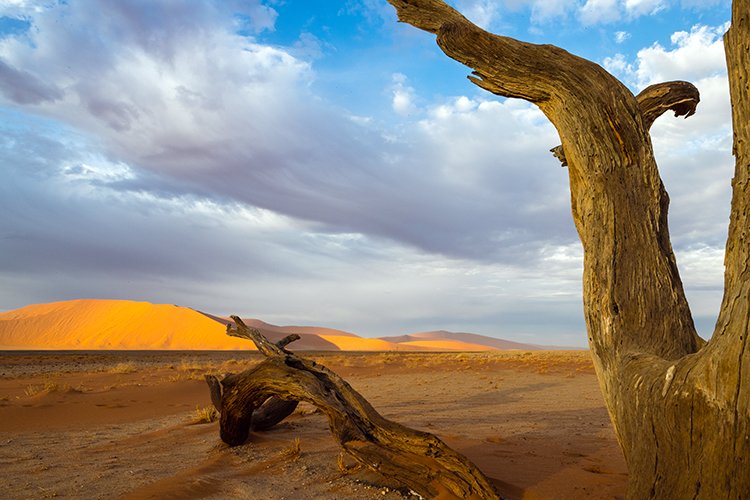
[121, 324]
[112, 324]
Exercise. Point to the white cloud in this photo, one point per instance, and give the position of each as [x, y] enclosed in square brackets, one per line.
[696, 54]
[20, 8]
[546, 10]
[481, 12]
[542, 11]
[618, 65]
[636, 8]
[621, 36]
[402, 95]
[599, 12]
[609, 11]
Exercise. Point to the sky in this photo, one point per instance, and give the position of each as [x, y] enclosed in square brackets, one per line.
[316, 162]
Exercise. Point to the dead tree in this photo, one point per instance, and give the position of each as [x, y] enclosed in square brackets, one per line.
[680, 406]
[262, 396]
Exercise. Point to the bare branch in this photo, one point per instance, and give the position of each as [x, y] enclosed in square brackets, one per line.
[241, 330]
[678, 96]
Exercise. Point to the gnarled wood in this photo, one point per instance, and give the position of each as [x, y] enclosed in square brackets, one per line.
[680, 97]
[680, 407]
[415, 459]
[272, 411]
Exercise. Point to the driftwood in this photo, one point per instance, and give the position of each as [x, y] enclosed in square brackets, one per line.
[272, 411]
[417, 460]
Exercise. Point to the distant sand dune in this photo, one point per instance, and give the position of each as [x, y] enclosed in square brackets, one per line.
[90, 324]
[447, 345]
[442, 339]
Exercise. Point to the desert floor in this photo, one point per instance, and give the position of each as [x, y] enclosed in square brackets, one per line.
[123, 424]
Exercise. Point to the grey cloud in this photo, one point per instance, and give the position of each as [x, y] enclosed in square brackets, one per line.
[203, 116]
[23, 87]
[238, 123]
[65, 237]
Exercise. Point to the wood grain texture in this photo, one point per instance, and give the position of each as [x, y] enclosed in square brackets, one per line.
[680, 406]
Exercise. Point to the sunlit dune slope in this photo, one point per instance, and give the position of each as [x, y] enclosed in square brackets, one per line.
[120, 324]
[112, 324]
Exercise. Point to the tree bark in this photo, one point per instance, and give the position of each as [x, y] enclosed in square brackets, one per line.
[680, 407]
[272, 411]
[418, 460]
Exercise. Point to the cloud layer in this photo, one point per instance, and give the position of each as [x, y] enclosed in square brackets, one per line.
[180, 157]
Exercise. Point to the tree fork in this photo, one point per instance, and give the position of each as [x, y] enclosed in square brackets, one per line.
[680, 407]
[418, 460]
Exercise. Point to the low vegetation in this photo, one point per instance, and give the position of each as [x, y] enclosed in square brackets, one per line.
[205, 415]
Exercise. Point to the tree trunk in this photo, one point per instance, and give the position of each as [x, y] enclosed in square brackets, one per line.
[680, 407]
[417, 460]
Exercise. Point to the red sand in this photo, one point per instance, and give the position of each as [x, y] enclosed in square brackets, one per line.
[122, 424]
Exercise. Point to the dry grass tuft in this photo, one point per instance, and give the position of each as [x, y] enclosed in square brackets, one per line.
[34, 389]
[205, 415]
[125, 367]
[293, 452]
[189, 365]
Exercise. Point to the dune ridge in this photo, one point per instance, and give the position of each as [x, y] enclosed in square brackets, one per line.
[94, 324]
[112, 324]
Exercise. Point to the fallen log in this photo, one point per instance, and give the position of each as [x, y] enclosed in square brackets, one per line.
[417, 460]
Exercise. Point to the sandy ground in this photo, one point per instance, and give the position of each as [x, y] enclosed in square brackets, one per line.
[123, 424]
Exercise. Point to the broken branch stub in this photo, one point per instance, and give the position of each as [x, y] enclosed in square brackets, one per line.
[417, 460]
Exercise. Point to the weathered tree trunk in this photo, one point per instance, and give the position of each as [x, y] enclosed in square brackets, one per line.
[680, 409]
[417, 460]
[271, 411]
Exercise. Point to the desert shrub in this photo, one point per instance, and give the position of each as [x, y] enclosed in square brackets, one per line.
[206, 415]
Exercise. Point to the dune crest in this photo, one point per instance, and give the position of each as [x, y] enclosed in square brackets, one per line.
[92, 324]
[112, 324]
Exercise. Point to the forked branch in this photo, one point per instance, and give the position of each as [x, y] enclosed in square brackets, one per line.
[655, 100]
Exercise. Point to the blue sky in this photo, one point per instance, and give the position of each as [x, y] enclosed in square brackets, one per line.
[316, 162]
